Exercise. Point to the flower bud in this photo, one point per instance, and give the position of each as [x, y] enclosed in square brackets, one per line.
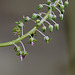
[54, 17]
[56, 26]
[61, 16]
[37, 22]
[61, 7]
[51, 28]
[48, 2]
[66, 3]
[50, 17]
[40, 6]
[26, 18]
[34, 15]
[17, 30]
[44, 28]
[32, 40]
[22, 55]
[47, 39]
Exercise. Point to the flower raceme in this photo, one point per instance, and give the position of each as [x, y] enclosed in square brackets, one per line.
[52, 5]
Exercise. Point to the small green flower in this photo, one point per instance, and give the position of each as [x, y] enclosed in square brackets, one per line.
[51, 28]
[56, 26]
[40, 6]
[61, 17]
[44, 28]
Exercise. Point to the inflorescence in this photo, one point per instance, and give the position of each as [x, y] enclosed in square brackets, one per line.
[52, 5]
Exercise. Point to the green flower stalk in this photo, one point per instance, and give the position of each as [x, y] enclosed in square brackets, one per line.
[50, 15]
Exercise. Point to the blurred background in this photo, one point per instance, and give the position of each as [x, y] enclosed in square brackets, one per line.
[55, 58]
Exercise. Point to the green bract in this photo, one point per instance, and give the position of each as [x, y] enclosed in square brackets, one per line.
[32, 40]
[21, 53]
